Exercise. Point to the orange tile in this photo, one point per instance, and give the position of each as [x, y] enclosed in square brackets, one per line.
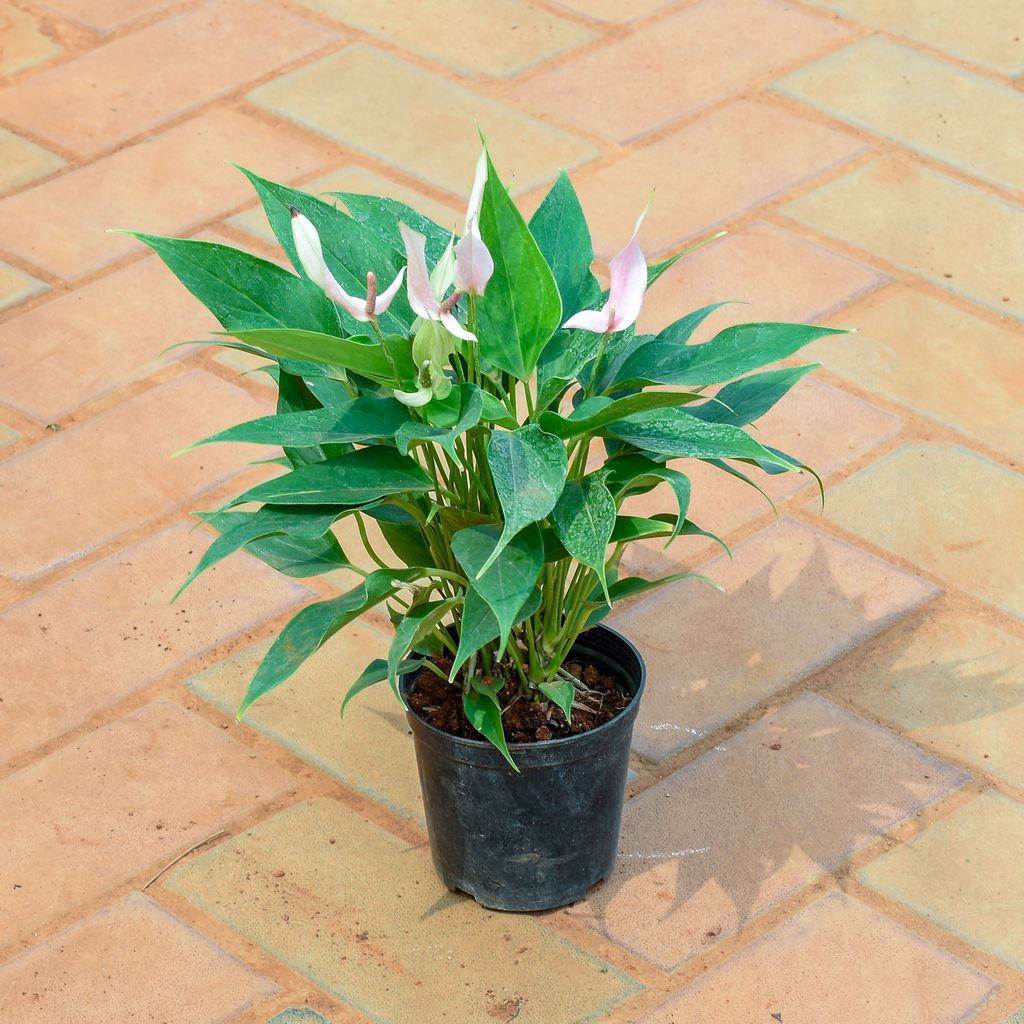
[104, 15]
[59, 668]
[133, 188]
[656, 75]
[24, 41]
[115, 472]
[119, 802]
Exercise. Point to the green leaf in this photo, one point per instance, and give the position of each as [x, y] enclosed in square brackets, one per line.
[381, 215]
[675, 433]
[583, 519]
[631, 586]
[242, 290]
[358, 354]
[479, 626]
[413, 627]
[680, 332]
[748, 399]
[730, 353]
[564, 240]
[313, 626]
[350, 249]
[662, 524]
[520, 309]
[561, 363]
[480, 703]
[354, 479]
[375, 672]
[508, 583]
[636, 474]
[363, 419]
[470, 410]
[562, 692]
[528, 467]
[609, 411]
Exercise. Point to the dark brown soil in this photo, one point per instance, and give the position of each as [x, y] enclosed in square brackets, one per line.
[439, 703]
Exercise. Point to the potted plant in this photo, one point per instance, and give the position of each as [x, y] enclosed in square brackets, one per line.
[490, 408]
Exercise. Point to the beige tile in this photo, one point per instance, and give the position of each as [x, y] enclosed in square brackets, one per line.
[913, 349]
[59, 666]
[116, 471]
[757, 151]
[961, 238]
[120, 801]
[22, 161]
[614, 10]
[15, 287]
[409, 945]
[922, 502]
[990, 35]
[129, 189]
[8, 435]
[823, 426]
[753, 821]
[487, 37]
[766, 636]
[754, 269]
[634, 85]
[420, 123]
[110, 94]
[25, 42]
[925, 104]
[964, 873]
[837, 961]
[370, 749]
[104, 15]
[97, 338]
[950, 682]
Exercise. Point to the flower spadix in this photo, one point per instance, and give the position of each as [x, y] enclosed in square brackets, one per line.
[311, 257]
[628, 272]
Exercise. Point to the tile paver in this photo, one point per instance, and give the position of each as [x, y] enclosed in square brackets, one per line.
[614, 10]
[25, 42]
[8, 435]
[370, 749]
[928, 105]
[111, 94]
[911, 348]
[126, 190]
[529, 34]
[411, 946]
[962, 238]
[90, 972]
[627, 89]
[52, 638]
[964, 873]
[766, 639]
[22, 161]
[753, 821]
[919, 502]
[104, 15]
[990, 37]
[16, 286]
[837, 961]
[126, 798]
[951, 682]
[298, 1016]
[758, 151]
[116, 471]
[420, 122]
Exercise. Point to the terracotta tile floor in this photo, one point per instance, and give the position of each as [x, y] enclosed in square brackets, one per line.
[826, 807]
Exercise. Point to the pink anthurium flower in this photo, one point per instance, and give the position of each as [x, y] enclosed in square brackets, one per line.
[421, 297]
[311, 256]
[473, 263]
[628, 271]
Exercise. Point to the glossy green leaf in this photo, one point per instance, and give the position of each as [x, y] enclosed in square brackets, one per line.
[509, 581]
[363, 419]
[749, 398]
[381, 215]
[562, 692]
[598, 414]
[358, 354]
[562, 235]
[528, 467]
[635, 474]
[480, 704]
[413, 627]
[470, 410]
[313, 626]
[354, 479]
[583, 519]
[633, 586]
[520, 309]
[375, 672]
[242, 290]
[675, 433]
[480, 627]
[561, 363]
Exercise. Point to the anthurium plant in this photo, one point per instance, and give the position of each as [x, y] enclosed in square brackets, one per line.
[491, 409]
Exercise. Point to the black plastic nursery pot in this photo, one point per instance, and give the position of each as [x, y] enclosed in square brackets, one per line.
[540, 837]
